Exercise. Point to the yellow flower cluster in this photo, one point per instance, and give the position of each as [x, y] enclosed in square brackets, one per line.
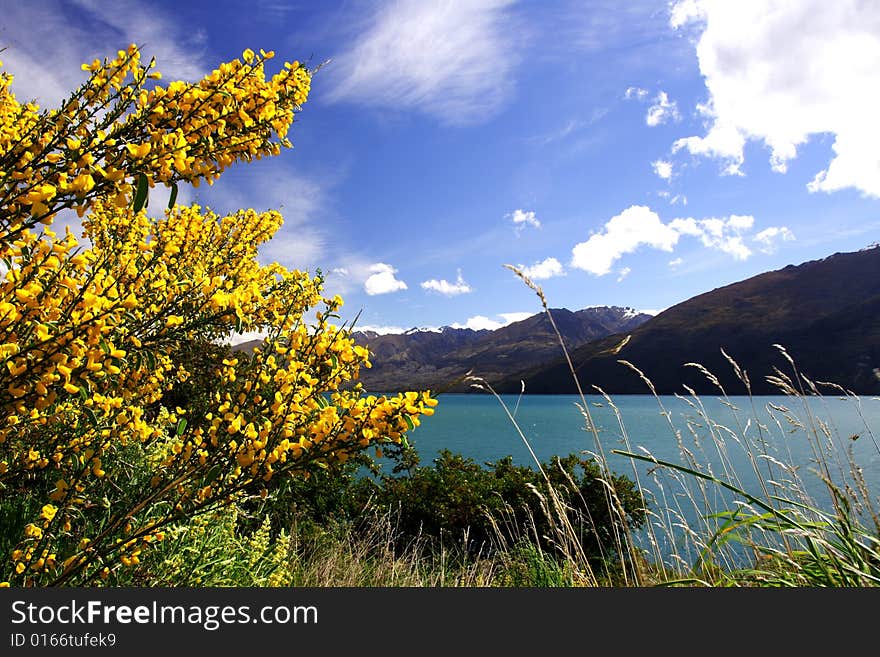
[120, 124]
[118, 402]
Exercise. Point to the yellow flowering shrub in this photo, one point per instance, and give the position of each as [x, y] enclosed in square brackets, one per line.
[98, 336]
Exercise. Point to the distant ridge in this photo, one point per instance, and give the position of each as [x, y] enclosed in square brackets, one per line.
[438, 359]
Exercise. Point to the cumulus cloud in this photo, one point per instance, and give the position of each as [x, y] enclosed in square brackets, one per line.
[780, 72]
[547, 268]
[636, 226]
[446, 288]
[454, 60]
[639, 226]
[769, 237]
[382, 280]
[662, 111]
[523, 218]
[725, 234]
[662, 168]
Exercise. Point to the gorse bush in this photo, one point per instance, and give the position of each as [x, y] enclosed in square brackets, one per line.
[120, 416]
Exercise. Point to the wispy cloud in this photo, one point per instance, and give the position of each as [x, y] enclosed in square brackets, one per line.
[635, 93]
[770, 237]
[45, 47]
[662, 111]
[623, 273]
[823, 81]
[446, 288]
[453, 60]
[301, 242]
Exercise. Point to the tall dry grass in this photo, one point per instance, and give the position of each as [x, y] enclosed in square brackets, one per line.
[711, 523]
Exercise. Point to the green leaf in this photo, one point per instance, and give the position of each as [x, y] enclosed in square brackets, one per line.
[181, 426]
[91, 415]
[212, 474]
[140, 196]
[409, 422]
[173, 198]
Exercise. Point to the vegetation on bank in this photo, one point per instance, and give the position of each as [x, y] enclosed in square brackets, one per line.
[135, 449]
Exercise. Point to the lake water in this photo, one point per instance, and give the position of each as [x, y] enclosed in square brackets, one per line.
[782, 436]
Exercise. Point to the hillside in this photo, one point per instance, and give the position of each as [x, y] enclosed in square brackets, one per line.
[826, 313]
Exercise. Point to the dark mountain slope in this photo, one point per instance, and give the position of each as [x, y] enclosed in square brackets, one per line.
[826, 313]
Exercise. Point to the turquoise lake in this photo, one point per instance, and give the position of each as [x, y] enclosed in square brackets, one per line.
[783, 434]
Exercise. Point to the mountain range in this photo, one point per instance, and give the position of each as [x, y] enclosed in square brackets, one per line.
[439, 359]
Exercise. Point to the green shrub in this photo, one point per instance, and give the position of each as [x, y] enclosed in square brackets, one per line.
[456, 500]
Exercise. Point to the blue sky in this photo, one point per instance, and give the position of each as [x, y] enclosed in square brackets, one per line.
[623, 153]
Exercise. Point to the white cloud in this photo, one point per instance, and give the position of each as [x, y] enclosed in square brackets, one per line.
[44, 48]
[769, 237]
[380, 329]
[475, 323]
[636, 92]
[636, 226]
[722, 234]
[339, 271]
[382, 280]
[446, 288]
[523, 218]
[662, 168]
[780, 72]
[481, 322]
[639, 226]
[510, 318]
[662, 111]
[454, 60]
[547, 268]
